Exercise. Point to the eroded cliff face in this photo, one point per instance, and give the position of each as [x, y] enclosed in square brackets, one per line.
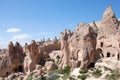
[78, 49]
[78, 46]
[108, 35]
[24, 59]
[12, 59]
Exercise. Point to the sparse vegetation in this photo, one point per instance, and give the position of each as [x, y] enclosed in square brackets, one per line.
[66, 70]
[54, 74]
[71, 78]
[97, 73]
[83, 71]
[49, 59]
[29, 77]
[82, 77]
[65, 77]
[107, 69]
[114, 76]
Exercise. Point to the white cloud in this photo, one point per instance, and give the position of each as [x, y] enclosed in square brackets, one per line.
[13, 30]
[46, 33]
[118, 19]
[21, 37]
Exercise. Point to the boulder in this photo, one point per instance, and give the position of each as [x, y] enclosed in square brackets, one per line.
[50, 66]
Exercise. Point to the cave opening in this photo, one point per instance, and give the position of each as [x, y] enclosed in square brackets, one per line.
[19, 69]
[91, 65]
[101, 44]
[118, 56]
[108, 54]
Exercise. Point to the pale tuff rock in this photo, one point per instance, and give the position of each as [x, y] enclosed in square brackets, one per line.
[32, 55]
[109, 19]
[108, 13]
[64, 36]
[79, 49]
[83, 44]
[108, 35]
[50, 66]
[13, 60]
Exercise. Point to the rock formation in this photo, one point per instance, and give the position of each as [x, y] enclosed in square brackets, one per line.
[109, 18]
[64, 36]
[107, 39]
[80, 49]
[32, 54]
[12, 61]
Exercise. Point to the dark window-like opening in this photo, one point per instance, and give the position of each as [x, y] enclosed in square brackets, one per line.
[108, 54]
[7, 73]
[58, 57]
[91, 65]
[118, 56]
[101, 44]
[15, 70]
[20, 69]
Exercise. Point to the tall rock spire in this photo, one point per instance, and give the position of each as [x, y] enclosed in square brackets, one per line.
[108, 13]
[109, 19]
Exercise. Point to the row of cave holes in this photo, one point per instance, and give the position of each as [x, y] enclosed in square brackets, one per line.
[91, 65]
[108, 53]
[101, 44]
[118, 56]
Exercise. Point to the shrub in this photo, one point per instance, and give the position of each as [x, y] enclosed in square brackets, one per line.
[49, 59]
[71, 78]
[114, 76]
[97, 73]
[53, 76]
[65, 77]
[29, 77]
[82, 77]
[107, 69]
[83, 71]
[66, 70]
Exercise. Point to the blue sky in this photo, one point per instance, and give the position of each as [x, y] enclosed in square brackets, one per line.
[25, 20]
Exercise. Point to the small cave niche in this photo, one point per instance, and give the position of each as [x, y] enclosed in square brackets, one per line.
[58, 57]
[101, 44]
[108, 54]
[7, 73]
[91, 65]
[118, 56]
[19, 69]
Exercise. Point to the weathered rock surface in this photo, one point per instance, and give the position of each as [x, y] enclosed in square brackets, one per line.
[50, 66]
[108, 35]
[79, 49]
[83, 45]
[12, 61]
